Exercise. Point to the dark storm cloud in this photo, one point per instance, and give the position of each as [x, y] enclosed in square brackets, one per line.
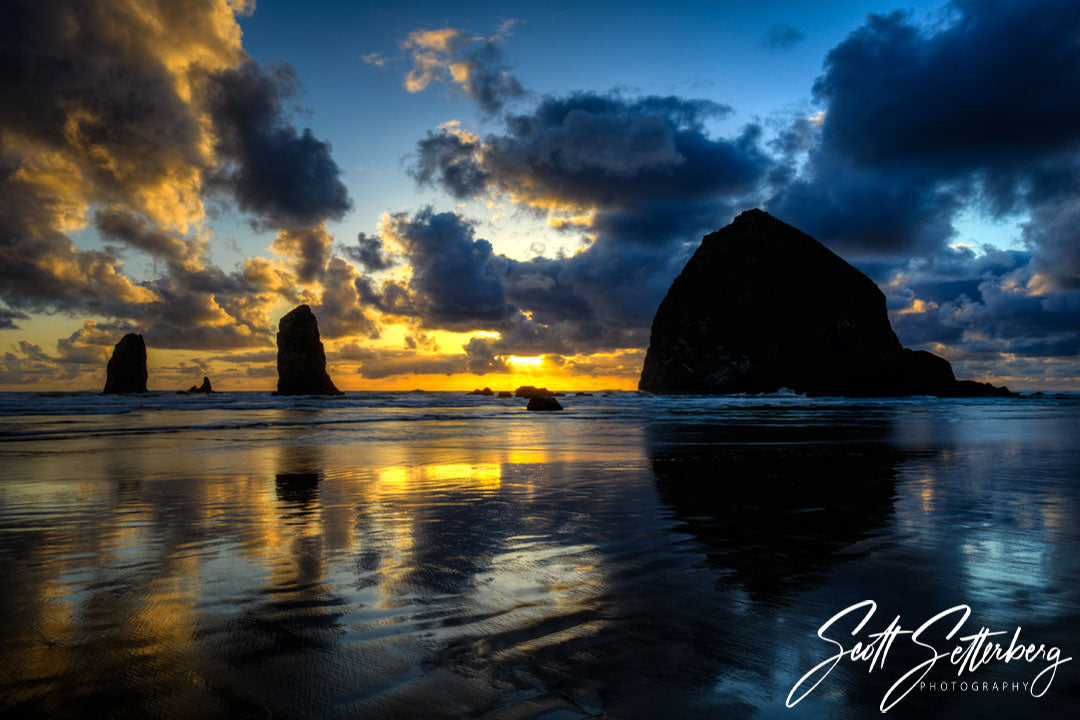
[449, 159]
[997, 89]
[980, 112]
[456, 280]
[308, 250]
[603, 151]
[122, 226]
[983, 305]
[473, 63]
[919, 122]
[83, 74]
[868, 215]
[287, 178]
[569, 301]
[1054, 234]
[40, 268]
[341, 308]
[369, 253]
[104, 106]
[8, 318]
[481, 357]
[782, 37]
[646, 169]
[542, 286]
[489, 81]
[376, 363]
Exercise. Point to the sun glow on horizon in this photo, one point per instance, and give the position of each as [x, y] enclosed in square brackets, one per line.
[526, 361]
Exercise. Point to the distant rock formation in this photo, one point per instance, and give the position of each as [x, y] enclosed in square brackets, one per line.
[543, 402]
[301, 359]
[204, 388]
[505, 394]
[583, 394]
[763, 306]
[126, 371]
[486, 391]
[529, 391]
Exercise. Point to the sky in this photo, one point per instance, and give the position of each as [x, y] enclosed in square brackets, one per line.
[497, 194]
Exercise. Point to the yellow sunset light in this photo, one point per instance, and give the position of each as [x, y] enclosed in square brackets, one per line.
[533, 361]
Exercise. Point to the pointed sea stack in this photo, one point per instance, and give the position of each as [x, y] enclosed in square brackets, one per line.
[763, 306]
[206, 387]
[301, 360]
[126, 371]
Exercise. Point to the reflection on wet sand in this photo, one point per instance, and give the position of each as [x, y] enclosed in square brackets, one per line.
[776, 513]
[570, 567]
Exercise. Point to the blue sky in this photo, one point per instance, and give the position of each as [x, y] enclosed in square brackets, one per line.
[711, 50]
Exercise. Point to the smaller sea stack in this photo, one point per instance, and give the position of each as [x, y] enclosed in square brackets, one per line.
[204, 388]
[301, 359]
[126, 371]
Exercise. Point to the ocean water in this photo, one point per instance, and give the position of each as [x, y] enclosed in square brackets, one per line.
[429, 555]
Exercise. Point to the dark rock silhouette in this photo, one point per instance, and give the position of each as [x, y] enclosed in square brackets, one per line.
[126, 371]
[530, 391]
[301, 359]
[543, 402]
[505, 394]
[204, 388]
[763, 306]
[486, 391]
[583, 394]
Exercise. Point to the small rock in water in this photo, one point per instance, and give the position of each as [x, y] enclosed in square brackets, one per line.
[486, 391]
[530, 391]
[543, 402]
[505, 394]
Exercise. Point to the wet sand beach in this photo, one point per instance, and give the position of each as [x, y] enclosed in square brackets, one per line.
[439, 555]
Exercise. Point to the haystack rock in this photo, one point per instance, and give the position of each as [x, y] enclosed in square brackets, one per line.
[301, 359]
[126, 371]
[763, 306]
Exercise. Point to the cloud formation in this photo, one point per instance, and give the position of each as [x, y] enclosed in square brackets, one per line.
[286, 178]
[472, 63]
[128, 120]
[640, 179]
[8, 318]
[920, 124]
[781, 37]
[455, 281]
